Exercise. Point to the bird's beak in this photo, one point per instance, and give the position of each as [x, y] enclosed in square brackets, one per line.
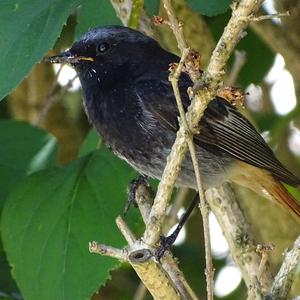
[67, 58]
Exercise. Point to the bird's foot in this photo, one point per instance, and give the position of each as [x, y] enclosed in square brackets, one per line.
[165, 244]
[131, 190]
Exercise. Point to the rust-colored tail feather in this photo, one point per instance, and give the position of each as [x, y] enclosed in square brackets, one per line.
[282, 196]
[263, 183]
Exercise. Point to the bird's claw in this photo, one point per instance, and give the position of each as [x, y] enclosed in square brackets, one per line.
[165, 244]
[131, 190]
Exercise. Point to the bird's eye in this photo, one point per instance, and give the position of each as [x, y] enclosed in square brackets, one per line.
[103, 47]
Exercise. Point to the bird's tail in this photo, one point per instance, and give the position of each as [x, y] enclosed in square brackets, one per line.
[280, 194]
[263, 183]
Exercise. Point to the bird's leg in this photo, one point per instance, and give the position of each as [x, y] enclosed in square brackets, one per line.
[167, 242]
[131, 190]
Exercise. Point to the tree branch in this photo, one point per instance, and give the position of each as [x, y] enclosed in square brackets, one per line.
[152, 274]
[286, 275]
[239, 62]
[169, 264]
[55, 91]
[163, 280]
[174, 77]
[239, 236]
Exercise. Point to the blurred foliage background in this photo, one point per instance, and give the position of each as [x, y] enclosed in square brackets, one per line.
[61, 188]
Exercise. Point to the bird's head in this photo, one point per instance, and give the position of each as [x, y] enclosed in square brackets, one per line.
[106, 51]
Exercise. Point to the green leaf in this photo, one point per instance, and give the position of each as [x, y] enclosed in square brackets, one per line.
[28, 28]
[7, 284]
[211, 7]
[91, 143]
[94, 13]
[49, 220]
[25, 149]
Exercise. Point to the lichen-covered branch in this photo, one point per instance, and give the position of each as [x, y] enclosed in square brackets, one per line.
[163, 279]
[140, 256]
[286, 275]
[169, 264]
[174, 77]
[239, 236]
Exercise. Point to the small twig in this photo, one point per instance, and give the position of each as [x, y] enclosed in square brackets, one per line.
[54, 93]
[144, 201]
[268, 17]
[153, 275]
[264, 250]
[239, 62]
[45, 105]
[175, 26]
[120, 254]
[169, 264]
[277, 39]
[255, 289]
[126, 232]
[177, 29]
[174, 77]
[172, 217]
[286, 275]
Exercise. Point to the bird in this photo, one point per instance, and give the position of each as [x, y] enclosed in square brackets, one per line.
[130, 102]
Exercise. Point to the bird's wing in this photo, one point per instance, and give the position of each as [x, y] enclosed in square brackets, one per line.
[222, 127]
[157, 97]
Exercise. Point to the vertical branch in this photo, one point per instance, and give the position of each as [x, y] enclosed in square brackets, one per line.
[174, 77]
[169, 264]
[239, 236]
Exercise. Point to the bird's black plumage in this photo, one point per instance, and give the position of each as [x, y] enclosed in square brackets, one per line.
[130, 101]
